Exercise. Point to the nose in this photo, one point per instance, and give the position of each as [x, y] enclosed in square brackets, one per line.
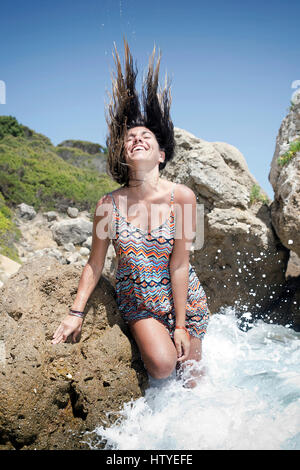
[137, 139]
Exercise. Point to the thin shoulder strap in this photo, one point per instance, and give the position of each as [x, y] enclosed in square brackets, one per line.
[172, 194]
[110, 194]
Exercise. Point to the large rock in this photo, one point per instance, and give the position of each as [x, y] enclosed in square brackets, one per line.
[26, 212]
[51, 394]
[285, 208]
[242, 262]
[72, 230]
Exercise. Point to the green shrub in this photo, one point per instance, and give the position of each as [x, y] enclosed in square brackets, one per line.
[294, 147]
[10, 126]
[255, 195]
[80, 158]
[31, 171]
[9, 233]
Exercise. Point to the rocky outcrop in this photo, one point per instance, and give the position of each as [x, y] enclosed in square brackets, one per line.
[50, 395]
[240, 261]
[285, 179]
[67, 237]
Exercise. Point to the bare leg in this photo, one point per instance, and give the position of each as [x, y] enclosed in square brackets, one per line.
[196, 355]
[156, 346]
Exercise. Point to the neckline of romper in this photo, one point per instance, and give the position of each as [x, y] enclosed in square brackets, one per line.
[149, 232]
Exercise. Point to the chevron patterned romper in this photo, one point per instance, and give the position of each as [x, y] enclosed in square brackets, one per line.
[143, 283]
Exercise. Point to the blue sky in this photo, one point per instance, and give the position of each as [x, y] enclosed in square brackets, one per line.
[232, 65]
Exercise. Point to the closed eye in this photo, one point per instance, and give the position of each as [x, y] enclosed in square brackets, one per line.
[145, 134]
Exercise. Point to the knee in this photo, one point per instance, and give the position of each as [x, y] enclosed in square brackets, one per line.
[161, 368]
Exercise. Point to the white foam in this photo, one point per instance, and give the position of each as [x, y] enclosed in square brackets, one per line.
[249, 397]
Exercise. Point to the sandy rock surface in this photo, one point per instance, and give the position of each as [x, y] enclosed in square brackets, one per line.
[51, 394]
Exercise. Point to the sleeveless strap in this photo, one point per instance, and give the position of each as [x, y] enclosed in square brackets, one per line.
[114, 204]
[172, 196]
[112, 199]
[171, 202]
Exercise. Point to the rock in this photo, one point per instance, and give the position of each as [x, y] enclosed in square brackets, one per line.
[74, 230]
[53, 252]
[51, 394]
[51, 215]
[88, 242]
[72, 212]
[25, 211]
[285, 209]
[69, 246]
[110, 265]
[238, 258]
[293, 268]
[84, 251]
[73, 257]
[35, 236]
[285, 306]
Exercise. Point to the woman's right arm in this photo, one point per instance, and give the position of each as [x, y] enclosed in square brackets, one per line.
[91, 272]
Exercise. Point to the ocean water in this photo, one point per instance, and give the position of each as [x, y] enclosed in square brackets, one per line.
[248, 397]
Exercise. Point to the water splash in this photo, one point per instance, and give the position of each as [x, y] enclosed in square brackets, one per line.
[249, 397]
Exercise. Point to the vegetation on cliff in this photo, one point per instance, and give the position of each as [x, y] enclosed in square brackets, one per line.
[81, 158]
[9, 233]
[257, 196]
[31, 171]
[285, 158]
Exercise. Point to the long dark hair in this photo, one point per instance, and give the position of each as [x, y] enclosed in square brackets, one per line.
[124, 112]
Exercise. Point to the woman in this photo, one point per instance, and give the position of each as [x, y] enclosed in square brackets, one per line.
[158, 292]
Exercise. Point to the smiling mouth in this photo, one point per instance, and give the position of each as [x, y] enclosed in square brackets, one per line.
[138, 148]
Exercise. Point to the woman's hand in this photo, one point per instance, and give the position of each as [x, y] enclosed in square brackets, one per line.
[70, 324]
[182, 343]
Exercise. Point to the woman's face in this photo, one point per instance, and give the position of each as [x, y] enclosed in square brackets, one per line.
[142, 149]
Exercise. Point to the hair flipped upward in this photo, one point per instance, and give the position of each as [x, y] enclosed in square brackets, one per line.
[124, 112]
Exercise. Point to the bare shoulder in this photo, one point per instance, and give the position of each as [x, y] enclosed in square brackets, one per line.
[119, 191]
[105, 199]
[105, 204]
[116, 193]
[183, 194]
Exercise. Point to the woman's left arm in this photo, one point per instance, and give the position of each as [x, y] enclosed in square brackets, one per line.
[185, 210]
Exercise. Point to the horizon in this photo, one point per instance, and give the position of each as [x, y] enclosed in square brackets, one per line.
[232, 67]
